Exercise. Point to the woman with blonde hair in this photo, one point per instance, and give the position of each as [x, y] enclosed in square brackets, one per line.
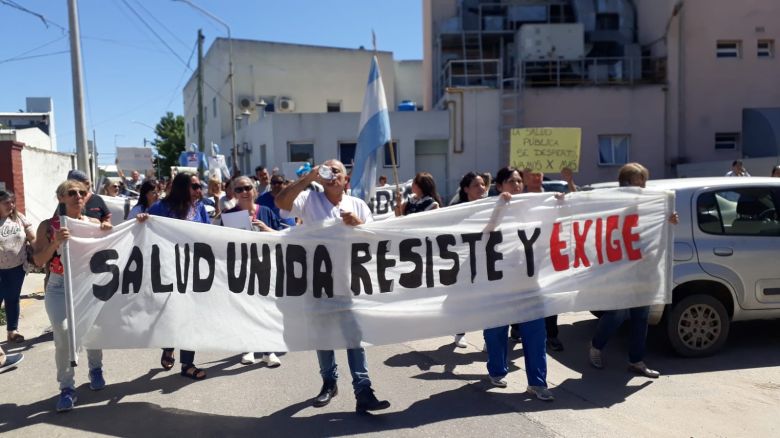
[51, 234]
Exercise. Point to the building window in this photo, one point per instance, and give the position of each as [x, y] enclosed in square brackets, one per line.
[729, 49]
[334, 107]
[301, 152]
[766, 49]
[214, 106]
[347, 153]
[726, 140]
[607, 21]
[388, 161]
[613, 149]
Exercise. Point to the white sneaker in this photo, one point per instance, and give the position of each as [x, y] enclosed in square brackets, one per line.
[271, 361]
[541, 393]
[498, 381]
[459, 342]
[248, 359]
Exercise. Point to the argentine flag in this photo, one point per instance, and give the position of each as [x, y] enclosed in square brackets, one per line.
[373, 133]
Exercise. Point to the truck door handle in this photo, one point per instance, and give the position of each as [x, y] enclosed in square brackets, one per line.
[723, 251]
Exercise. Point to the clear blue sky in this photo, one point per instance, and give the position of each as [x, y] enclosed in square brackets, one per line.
[131, 78]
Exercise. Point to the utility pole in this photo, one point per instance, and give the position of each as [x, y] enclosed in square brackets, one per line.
[201, 135]
[82, 151]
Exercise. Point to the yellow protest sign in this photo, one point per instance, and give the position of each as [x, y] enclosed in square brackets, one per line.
[545, 149]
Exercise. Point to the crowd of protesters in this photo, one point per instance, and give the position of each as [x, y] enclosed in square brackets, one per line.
[273, 203]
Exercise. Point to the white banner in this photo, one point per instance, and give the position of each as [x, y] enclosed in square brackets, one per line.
[483, 264]
[129, 159]
[382, 205]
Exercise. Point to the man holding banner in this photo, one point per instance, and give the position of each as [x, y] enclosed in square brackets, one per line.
[316, 208]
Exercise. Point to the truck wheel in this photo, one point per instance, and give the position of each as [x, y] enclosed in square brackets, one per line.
[697, 326]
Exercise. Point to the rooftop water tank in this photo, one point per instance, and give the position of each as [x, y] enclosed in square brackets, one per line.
[407, 105]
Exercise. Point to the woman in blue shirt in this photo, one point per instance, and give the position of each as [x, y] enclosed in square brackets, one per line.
[183, 203]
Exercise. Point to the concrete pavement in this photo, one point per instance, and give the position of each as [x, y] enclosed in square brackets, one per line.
[436, 390]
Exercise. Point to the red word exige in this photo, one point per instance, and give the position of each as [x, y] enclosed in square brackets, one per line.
[607, 235]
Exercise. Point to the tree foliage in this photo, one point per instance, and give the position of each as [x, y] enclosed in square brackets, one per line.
[169, 141]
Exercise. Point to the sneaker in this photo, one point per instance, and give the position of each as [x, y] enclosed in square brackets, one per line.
[367, 401]
[271, 361]
[642, 369]
[541, 393]
[459, 342]
[595, 357]
[248, 359]
[96, 381]
[554, 344]
[498, 381]
[67, 400]
[11, 361]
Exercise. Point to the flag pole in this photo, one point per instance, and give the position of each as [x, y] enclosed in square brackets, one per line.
[389, 143]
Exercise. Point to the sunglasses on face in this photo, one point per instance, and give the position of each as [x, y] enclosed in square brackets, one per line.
[194, 186]
[72, 193]
[240, 190]
[277, 183]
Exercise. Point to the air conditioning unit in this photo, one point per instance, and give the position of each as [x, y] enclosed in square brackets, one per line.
[246, 103]
[285, 105]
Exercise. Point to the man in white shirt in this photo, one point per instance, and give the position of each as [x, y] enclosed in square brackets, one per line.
[313, 208]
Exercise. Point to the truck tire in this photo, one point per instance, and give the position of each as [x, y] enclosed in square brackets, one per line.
[697, 326]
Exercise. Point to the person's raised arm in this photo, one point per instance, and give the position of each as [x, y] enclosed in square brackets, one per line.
[43, 248]
[284, 200]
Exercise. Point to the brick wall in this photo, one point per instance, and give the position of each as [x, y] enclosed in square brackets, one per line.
[11, 170]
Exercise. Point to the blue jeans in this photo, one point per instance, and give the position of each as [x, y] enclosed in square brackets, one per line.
[611, 320]
[358, 367]
[534, 336]
[11, 281]
[55, 308]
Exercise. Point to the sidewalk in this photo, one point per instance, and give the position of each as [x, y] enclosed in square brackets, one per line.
[33, 284]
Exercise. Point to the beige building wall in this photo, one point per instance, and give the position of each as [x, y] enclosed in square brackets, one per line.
[408, 82]
[636, 111]
[309, 75]
[433, 12]
[715, 90]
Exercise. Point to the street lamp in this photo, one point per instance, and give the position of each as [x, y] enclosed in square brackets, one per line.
[230, 75]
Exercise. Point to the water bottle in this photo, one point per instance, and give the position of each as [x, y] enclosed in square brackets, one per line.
[326, 173]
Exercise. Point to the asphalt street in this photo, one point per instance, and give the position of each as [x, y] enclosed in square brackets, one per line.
[435, 390]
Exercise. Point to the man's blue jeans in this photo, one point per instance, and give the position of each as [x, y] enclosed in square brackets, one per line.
[534, 336]
[611, 320]
[358, 367]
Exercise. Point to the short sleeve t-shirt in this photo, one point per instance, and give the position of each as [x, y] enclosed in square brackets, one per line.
[314, 208]
[96, 207]
[13, 234]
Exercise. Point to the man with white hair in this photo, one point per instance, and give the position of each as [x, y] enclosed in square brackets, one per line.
[314, 207]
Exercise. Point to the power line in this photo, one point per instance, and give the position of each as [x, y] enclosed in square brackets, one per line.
[151, 29]
[46, 21]
[20, 55]
[22, 58]
[162, 25]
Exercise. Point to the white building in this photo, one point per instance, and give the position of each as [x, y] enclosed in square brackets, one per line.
[34, 126]
[297, 103]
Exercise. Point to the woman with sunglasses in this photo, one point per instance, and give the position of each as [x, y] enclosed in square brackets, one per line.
[110, 188]
[72, 196]
[15, 233]
[147, 196]
[262, 219]
[183, 202]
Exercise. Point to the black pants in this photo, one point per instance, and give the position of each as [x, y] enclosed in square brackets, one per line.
[186, 357]
[551, 324]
